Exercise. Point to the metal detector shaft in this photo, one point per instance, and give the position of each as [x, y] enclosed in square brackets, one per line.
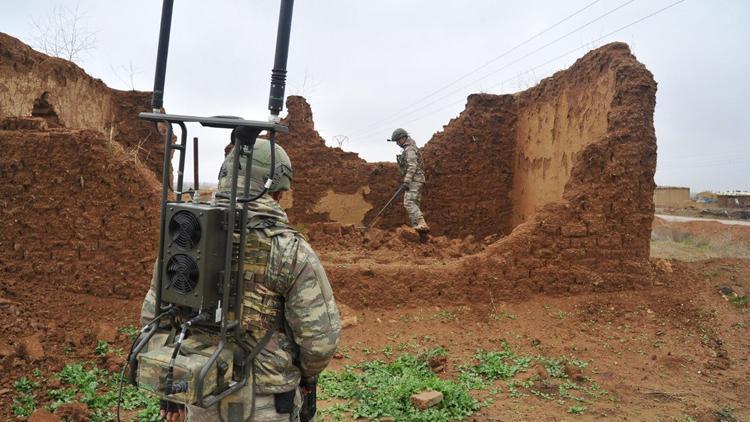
[387, 204]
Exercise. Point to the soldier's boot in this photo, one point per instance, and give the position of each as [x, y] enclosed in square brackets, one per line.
[422, 226]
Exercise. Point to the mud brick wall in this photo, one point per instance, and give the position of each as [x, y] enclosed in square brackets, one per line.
[556, 120]
[469, 170]
[34, 84]
[78, 212]
[597, 236]
[468, 166]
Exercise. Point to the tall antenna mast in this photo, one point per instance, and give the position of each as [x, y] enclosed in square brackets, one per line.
[157, 101]
[278, 74]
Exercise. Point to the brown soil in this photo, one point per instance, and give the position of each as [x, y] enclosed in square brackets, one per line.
[701, 231]
[673, 350]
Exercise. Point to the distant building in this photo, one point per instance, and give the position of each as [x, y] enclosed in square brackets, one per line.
[706, 197]
[733, 199]
[671, 197]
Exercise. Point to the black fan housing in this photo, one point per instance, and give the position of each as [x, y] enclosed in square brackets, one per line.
[184, 230]
[195, 245]
[182, 273]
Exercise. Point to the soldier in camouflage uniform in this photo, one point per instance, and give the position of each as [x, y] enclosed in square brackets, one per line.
[285, 282]
[412, 169]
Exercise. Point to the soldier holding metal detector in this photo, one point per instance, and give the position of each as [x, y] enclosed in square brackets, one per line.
[240, 318]
[412, 170]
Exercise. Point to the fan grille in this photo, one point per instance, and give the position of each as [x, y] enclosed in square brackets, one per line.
[182, 273]
[185, 230]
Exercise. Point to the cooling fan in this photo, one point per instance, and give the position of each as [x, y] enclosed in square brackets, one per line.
[182, 273]
[185, 230]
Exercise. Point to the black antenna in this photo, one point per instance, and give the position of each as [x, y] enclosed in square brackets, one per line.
[161, 55]
[278, 74]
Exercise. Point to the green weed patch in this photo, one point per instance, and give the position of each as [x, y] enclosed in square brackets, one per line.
[83, 382]
[381, 390]
[376, 390]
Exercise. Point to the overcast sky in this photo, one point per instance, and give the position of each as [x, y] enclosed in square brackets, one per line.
[367, 67]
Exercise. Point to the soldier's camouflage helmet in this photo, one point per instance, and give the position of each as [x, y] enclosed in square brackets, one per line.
[398, 134]
[282, 177]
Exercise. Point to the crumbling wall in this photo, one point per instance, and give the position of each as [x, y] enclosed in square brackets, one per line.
[469, 170]
[76, 211]
[329, 183]
[597, 236]
[34, 84]
[468, 166]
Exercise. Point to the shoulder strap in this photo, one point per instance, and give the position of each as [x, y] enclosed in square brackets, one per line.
[263, 342]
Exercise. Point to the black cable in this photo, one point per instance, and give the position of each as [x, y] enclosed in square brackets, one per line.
[122, 377]
[169, 385]
[132, 346]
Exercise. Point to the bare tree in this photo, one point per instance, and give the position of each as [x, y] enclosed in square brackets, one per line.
[63, 33]
[130, 71]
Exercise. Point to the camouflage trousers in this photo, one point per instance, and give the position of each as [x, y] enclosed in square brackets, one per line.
[264, 410]
[412, 199]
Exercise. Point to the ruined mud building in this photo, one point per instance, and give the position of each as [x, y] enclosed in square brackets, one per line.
[563, 170]
[561, 173]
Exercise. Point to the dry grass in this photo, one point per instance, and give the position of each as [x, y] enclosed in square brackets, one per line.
[673, 241]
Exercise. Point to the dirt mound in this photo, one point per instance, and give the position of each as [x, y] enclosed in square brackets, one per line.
[698, 240]
[78, 213]
[401, 244]
[701, 231]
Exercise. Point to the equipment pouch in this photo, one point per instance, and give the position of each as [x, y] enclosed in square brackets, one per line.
[284, 401]
[401, 160]
[238, 407]
[153, 366]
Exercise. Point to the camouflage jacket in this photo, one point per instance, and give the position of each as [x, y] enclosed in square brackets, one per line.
[295, 281]
[411, 163]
